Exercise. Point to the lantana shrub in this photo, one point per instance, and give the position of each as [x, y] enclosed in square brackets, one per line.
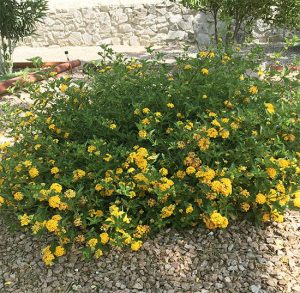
[141, 145]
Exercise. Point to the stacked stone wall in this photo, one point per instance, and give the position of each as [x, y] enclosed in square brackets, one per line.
[122, 22]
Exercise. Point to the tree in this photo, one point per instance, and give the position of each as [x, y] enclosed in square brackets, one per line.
[286, 14]
[18, 19]
[241, 15]
[212, 7]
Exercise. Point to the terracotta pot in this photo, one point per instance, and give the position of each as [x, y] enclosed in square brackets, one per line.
[33, 77]
[22, 65]
[280, 67]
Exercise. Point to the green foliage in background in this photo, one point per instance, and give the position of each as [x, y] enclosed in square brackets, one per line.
[18, 20]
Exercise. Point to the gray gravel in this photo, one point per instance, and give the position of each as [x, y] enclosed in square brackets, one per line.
[242, 258]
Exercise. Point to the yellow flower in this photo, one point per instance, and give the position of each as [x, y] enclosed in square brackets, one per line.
[18, 168]
[266, 217]
[24, 220]
[283, 163]
[217, 221]
[203, 54]
[187, 67]
[113, 126]
[146, 121]
[54, 201]
[225, 120]
[104, 237]
[59, 251]
[167, 211]
[242, 77]
[297, 202]
[107, 157]
[56, 187]
[260, 198]
[136, 245]
[245, 206]
[260, 72]
[98, 253]
[98, 187]
[18, 196]
[222, 186]
[190, 170]
[70, 193]
[63, 87]
[271, 172]
[224, 133]
[211, 55]
[92, 242]
[91, 149]
[52, 225]
[204, 144]
[36, 227]
[180, 174]
[77, 174]
[189, 209]
[204, 97]
[212, 132]
[204, 71]
[143, 133]
[54, 170]
[163, 171]
[253, 90]
[170, 105]
[33, 172]
[48, 256]
[225, 59]
[146, 110]
[270, 108]
[276, 216]
[1, 201]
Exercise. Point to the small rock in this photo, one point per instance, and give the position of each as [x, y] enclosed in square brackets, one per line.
[138, 286]
[254, 288]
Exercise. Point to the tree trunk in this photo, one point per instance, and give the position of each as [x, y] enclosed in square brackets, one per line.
[215, 14]
[6, 63]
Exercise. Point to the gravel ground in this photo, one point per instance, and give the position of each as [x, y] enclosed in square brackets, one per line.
[242, 258]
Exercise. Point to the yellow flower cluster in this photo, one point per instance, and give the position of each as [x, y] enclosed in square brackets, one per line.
[52, 224]
[25, 220]
[139, 157]
[78, 174]
[167, 211]
[216, 220]
[141, 230]
[222, 186]
[48, 256]
[33, 172]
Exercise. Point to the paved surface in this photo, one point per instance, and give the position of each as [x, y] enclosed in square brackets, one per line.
[21, 54]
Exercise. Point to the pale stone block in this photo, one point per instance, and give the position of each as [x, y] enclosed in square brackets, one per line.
[125, 28]
[75, 38]
[176, 35]
[134, 41]
[87, 39]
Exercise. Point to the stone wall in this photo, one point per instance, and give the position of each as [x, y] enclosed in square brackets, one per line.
[120, 22]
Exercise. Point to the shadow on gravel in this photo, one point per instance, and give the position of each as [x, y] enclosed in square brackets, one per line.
[240, 259]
